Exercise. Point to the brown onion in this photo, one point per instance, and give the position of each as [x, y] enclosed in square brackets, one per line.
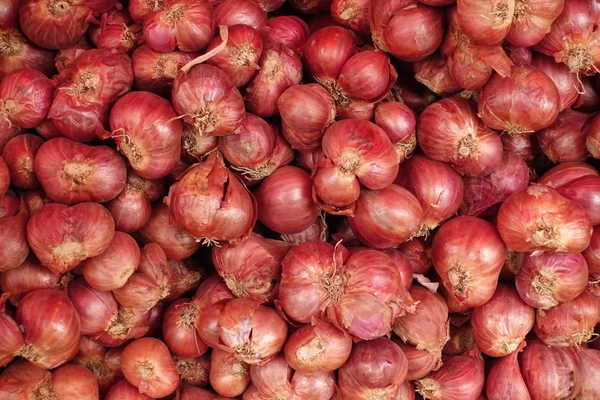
[501, 324]
[228, 376]
[221, 209]
[539, 219]
[505, 380]
[451, 131]
[154, 71]
[468, 254]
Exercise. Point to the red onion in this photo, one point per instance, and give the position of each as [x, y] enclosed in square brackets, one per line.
[62, 236]
[589, 99]
[318, 348]
[131, 209]
[450, 131]
[399, 122]
[66, 57]
[418, 254]
[522, 103]
[520, 55]
[193, 371]
[111, 269]
[195, 147]
[565, 173]
[420, 362]
[285, 29]
[539, 219]
[212, 291]
[188, 392]
[468, 254]
[501, 324]
[187, 275]
[120, 37]
[208, 100]
[125, 390]
[349, 161]
[138, 9]
[574, 37]
[505, 381]
[485, 22]
[437, 187]
[239, 12]
[47, 130]
[461, 377]
[590, 358]
[279, 68]
[284, 201]
[72, 172]
[251, 268]
[567, 83]
[239, 58]
[19, 155]
[550, 372]
[12, 336]
[126, 324]
[96, 309]
[4, 176]
[592, 131]
[583, 190]
[482, 193]
[591, 255]
[565, 139]
[178, 329]
[154, 71]
[532, 20]
[184, 24]
[13, 239]
[352, 14]
[104, 363]
[326, 52]
[25, 98]
[406, 30]
[199, 211]
[18, 52]
[228, 375]
[385, 218]
[570, 323]
[461, 339]
[306, 111]
[255, 333]
[402, 265]
[10, 13]
[317, 232]
[433, 72]
[375, 368]
[147, 364]
[81, 104]
[310, 6]
[150, 283]
[176, 243]
[29, 277]
[9, 204]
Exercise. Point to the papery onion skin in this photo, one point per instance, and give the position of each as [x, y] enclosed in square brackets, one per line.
[322, 59]
[193, 370]
[178, 329]
[551, 372]
[385, 218]
[433, 73]
[154, 71]
[104, 363]
[461, 340]
[188, 392]
[216, 109]
[53, 340]
[451, 131]
[569, 88]
[420, 362]
[565, 139]
[584, 191]
[239, 12]
[131, 209]
[146, 133]
[147, 364]
[25, 98]
[228, 376]
[187, 276]
[125, 390]
[62, 236]
[418, 254]
[532, 20]
[289, 30]
[352, 15]
[437, 187]
[72, 172]
[409, 32]
[501, 324]
[112, 268]
[196, 206]
[14, 247]
[522, 103]
[485, 22]
[96, 309]
[399, 122]
[461, 377]
[570, 323]
[9, 205]
[128, 324]
[19, 155]
[505, 381]
[564, 173]
[540, 219]
[590, 359]
[375, 368]
[468, 254]
[317, 348]
[21, 53]
[174, 240]
[284, 201]
[12, 335]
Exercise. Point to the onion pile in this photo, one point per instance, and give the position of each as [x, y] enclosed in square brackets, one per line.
[320, 200]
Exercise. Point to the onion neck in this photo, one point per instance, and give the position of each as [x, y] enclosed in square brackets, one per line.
[145, 370]
[44, 392]
[522, 10]
[58, 8]
[428, 388]
[460, 279]
[578, 57]
[545, 235]
[78, 172]
[11, 44]
[120, 324]
[188, 313]
[311, 351]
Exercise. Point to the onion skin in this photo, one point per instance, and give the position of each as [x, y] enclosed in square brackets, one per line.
[564, 173]
[128, 324]
[450, 131]
[420, 362]
[25, 98]
[14, 247]
[96, 309]
[429, 327]
[591, 255]
[196, 206]
[399, 122]
[469, 268]
[239, 12]
[551, 372]
[125, 390]
[218, 99]
[154, 71]
[592, 131]
[502, 104]
[104, 363]
[147, 364]
[583, 190]
[9, 205]
[501, 324]
[352, 15]
[322, 59]
[12, 335]
[289, 30]
[19, 155]
[532, 20]
[407, 31]
[318, 348]
[146, 133]
[63, 236]
[461, 340]
[131, 209]
[565, 139]
[437, 187]
[485, 22]
[433, 72]
[284, 201]
[570, 323]
[188, 392]
[112, 268]
[228, 376]
[72, 172]
[24, 55]
[376, 367]
[193, 370]
[178, 329]
[505, 381]
[590, 358]
[569, 88]
[535, 220]
[461, 377]
[4, 176]
[418, 254]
